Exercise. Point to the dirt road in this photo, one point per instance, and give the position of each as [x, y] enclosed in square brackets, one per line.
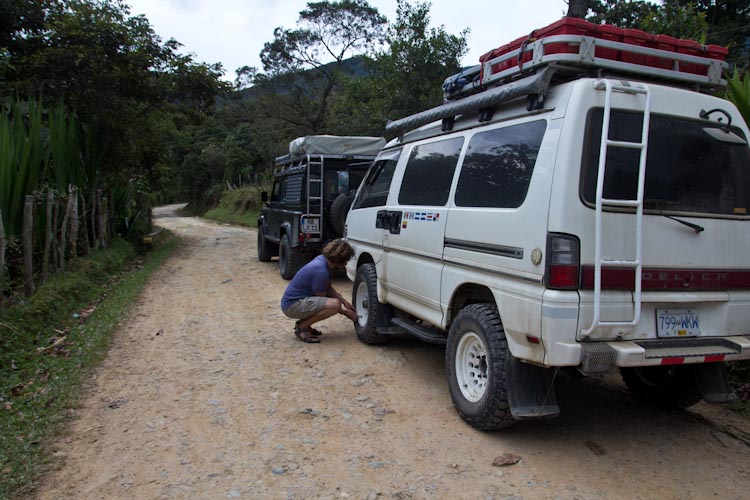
[206, 394]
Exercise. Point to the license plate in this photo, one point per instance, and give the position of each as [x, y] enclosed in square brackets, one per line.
[311, 225]
[677, 323]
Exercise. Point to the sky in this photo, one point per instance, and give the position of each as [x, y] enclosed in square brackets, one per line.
[233, 32]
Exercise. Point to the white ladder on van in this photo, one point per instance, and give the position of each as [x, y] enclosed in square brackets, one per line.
[315, 203]
[636, 264]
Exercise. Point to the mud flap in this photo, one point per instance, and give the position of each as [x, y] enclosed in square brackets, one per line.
[531, 392]
[711, 381]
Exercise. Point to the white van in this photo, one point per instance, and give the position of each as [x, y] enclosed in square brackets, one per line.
[561, 220]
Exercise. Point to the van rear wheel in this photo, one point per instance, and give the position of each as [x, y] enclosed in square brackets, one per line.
[666, 387]
[477, 364]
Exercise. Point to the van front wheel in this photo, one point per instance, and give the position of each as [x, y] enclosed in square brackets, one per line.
[365, 302]
[477, 363]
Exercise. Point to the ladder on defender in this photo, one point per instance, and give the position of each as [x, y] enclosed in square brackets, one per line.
[314, 209]
[636, 264]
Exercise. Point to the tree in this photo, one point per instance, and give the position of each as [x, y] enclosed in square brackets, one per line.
[297, 62]
[723, 22]
[108, 66]
[578, 8]
[621, 13]
[131, 91]
[407, 77]
[680, 21]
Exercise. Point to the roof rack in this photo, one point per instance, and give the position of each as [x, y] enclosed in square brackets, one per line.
[579, 51]
[534, 85]
[287, 164]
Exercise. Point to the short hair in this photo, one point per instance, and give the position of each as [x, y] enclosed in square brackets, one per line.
[338, 251]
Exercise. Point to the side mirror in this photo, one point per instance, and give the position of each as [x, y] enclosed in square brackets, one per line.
[343, 181]
[264, 196]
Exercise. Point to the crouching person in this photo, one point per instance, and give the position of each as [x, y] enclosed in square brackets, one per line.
[310, 298]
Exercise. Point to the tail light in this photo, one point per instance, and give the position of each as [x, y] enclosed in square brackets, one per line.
[563, 262]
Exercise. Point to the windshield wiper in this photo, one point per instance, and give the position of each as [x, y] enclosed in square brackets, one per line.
[656, 204]
[694, 227]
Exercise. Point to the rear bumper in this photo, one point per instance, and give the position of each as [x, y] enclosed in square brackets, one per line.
[680, 351]
[601, 357]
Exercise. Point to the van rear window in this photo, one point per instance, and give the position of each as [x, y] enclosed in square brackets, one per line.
[687, 168]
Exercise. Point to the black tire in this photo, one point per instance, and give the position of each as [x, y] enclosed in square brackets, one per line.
[337, 214]
[483, 400]
[290, 260]
[266, 248]
[666, 387]
[365, 301]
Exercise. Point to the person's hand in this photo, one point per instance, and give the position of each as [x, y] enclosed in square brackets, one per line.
[351, 314]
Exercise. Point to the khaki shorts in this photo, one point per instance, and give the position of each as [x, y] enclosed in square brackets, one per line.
[304, 308]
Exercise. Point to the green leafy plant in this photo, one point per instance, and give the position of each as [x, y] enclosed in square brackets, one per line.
[738, 91]
[21, 158]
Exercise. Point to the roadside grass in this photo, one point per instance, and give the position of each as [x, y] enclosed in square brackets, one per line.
[238, 206]
[49, 346]
[230, 216]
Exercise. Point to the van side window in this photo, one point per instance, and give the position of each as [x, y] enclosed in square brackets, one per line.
[374, 190]
[429, 173]
[497, 168]
[687, 169]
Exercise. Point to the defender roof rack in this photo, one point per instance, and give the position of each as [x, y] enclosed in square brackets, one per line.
[350, 148]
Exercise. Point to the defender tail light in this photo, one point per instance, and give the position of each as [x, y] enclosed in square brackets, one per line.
[563, 262]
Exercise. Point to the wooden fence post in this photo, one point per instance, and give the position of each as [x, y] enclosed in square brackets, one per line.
[105, 221]
[111, 217]
[94, 212]
[55, 253]
[73, 193]
[101, 218]
[28, 249]
[86, 234]
[2, 251]
[64, 230]
[48, 238]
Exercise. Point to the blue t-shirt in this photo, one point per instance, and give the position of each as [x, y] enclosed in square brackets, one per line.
[312, 279]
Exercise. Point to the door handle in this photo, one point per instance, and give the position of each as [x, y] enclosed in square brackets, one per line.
[395, 222]
[390, 220]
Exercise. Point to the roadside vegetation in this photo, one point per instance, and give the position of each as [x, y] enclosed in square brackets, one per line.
[51, 343]
[240, 206]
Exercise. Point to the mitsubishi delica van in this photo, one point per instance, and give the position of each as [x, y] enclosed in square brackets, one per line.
[582, 212]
